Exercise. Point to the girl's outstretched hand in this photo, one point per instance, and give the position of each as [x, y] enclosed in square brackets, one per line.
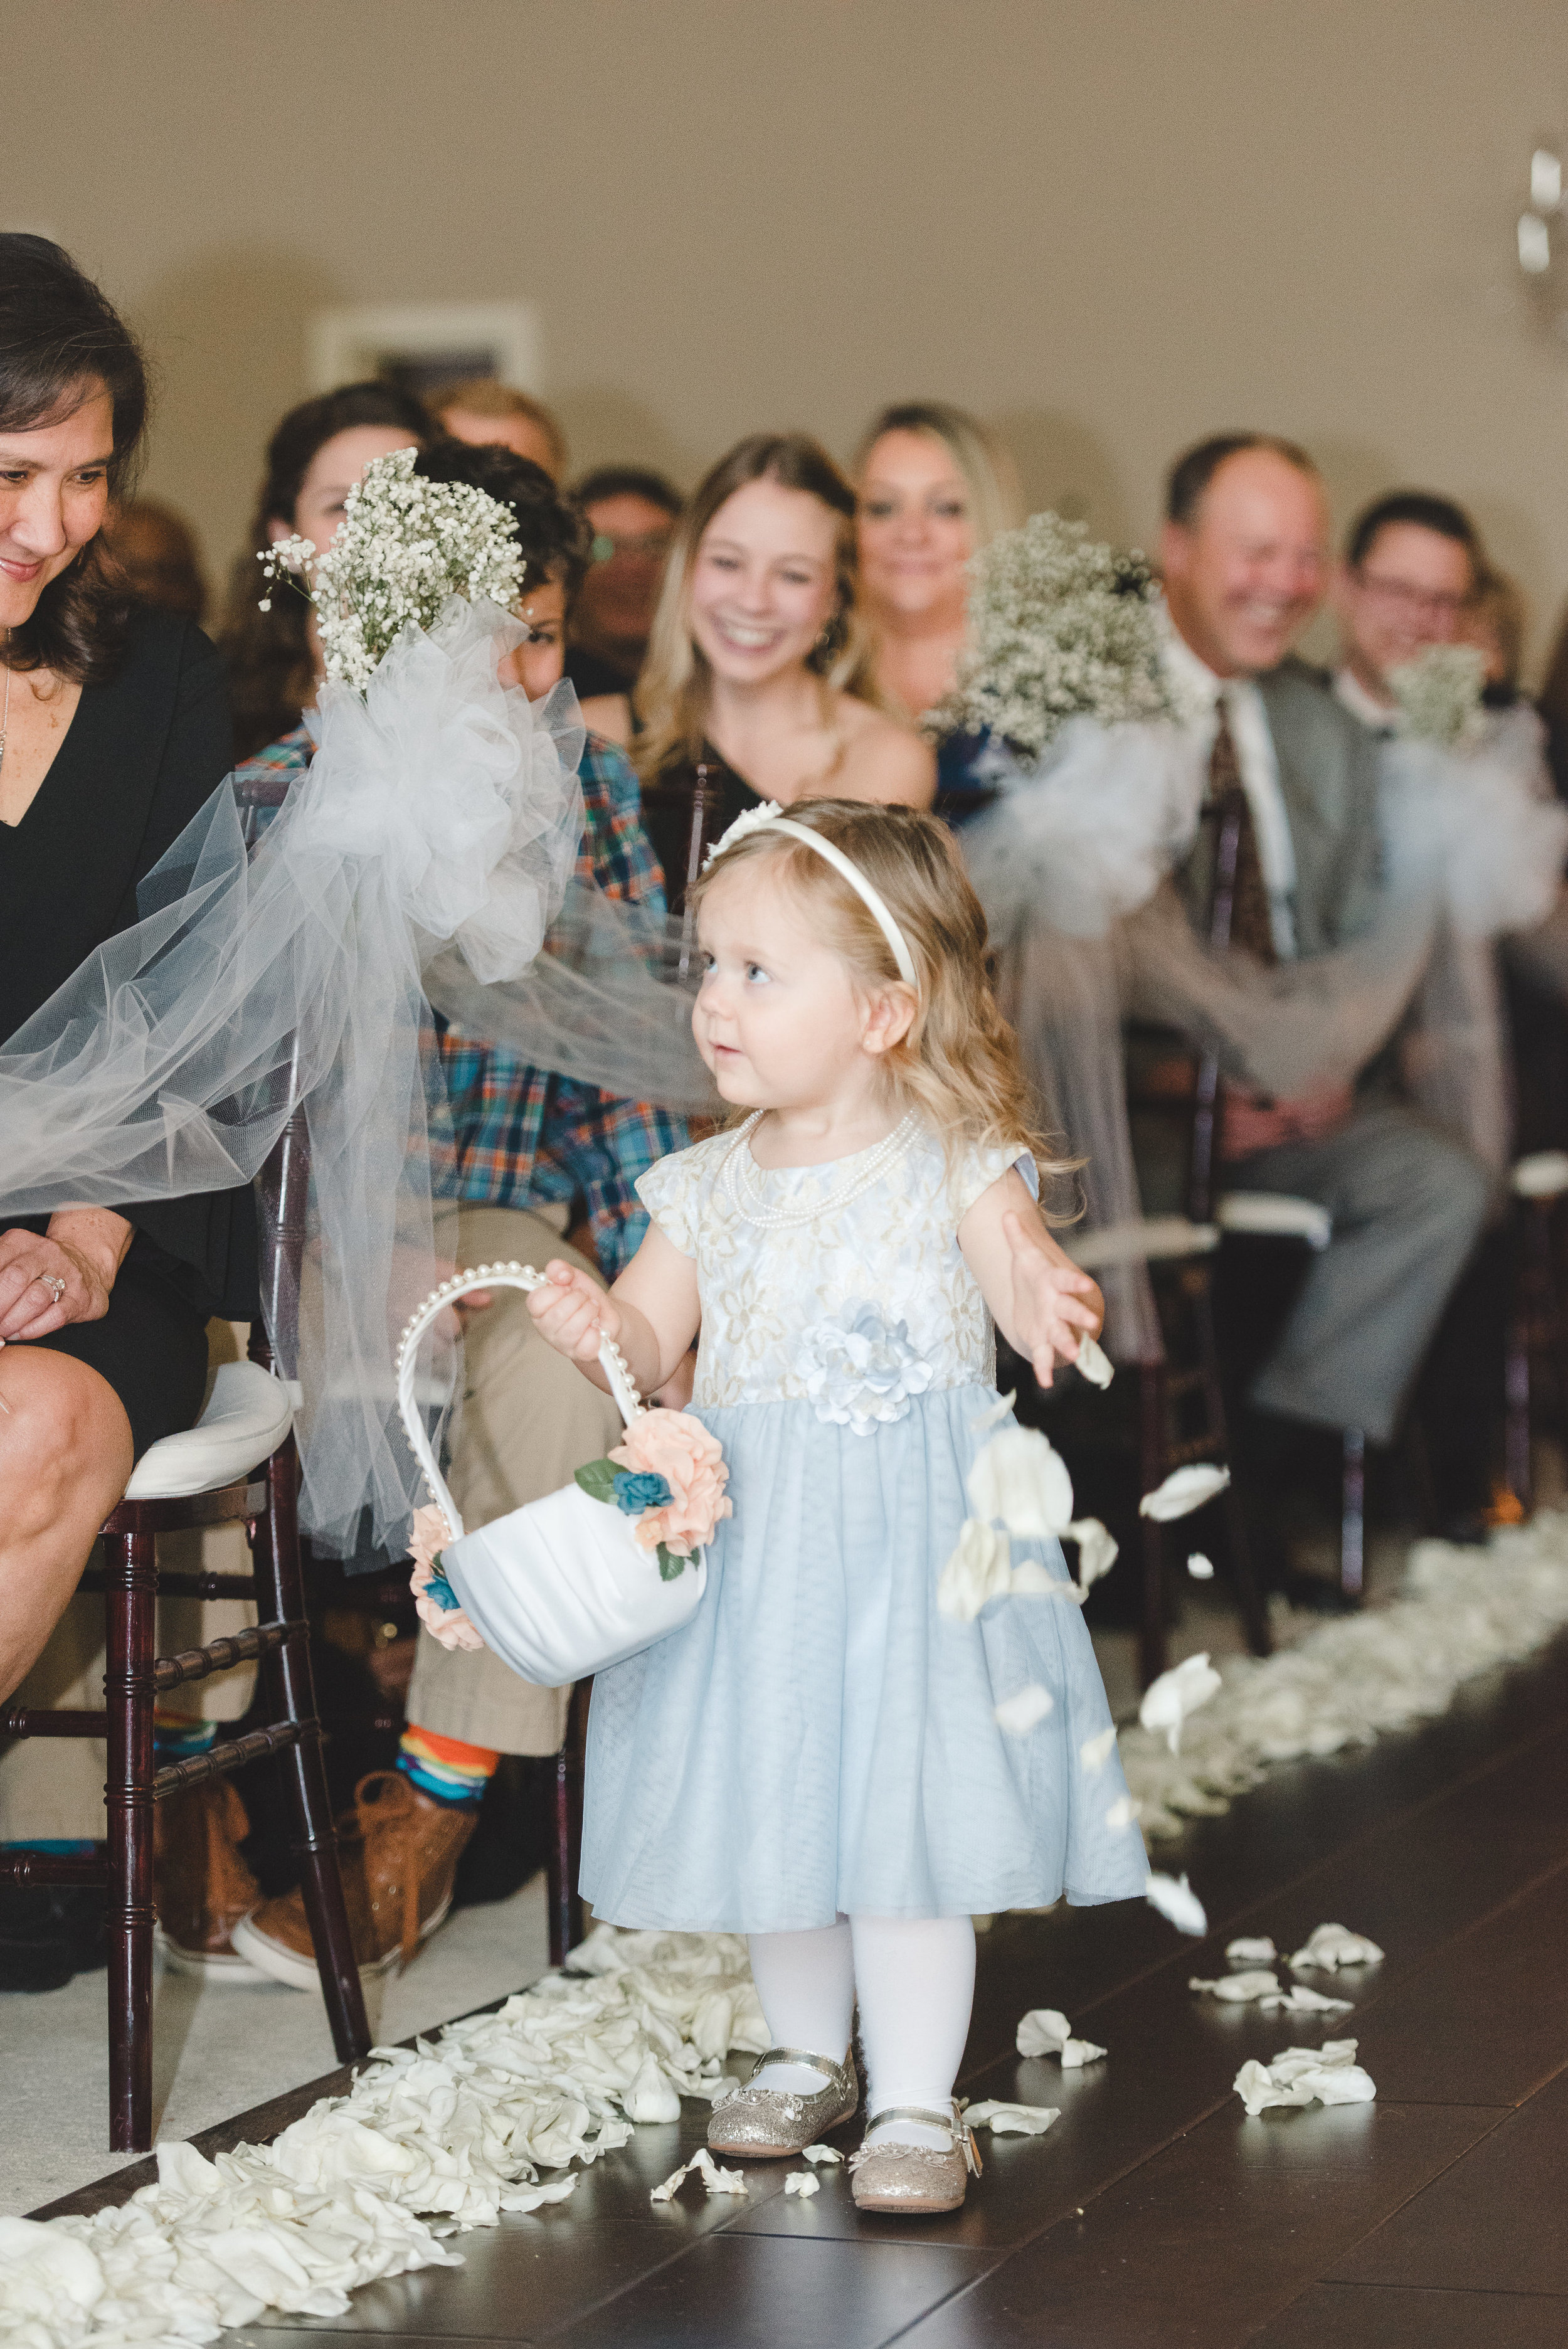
[574, 1312]
[1054, 1304]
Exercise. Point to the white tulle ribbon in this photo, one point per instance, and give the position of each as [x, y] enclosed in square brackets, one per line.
[439, 808]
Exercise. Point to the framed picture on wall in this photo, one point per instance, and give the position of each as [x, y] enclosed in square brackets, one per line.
[421, 344]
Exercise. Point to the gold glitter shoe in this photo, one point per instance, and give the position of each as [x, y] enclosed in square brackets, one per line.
[772, 2124]
[914, 2179]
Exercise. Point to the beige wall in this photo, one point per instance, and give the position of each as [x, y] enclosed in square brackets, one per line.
[1109, 225]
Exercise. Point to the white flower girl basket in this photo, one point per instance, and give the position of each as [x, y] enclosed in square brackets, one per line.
[560, 1588]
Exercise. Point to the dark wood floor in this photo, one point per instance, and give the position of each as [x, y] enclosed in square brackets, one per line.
[1155, 2213]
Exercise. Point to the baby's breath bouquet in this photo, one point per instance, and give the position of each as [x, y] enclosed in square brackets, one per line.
[1060, 627]
[1439, 694]
[405, 545]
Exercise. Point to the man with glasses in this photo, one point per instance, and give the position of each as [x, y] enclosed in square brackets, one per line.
[632, 514]
[1412, 566]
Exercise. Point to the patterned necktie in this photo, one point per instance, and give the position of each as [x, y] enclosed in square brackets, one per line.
[1251, 922]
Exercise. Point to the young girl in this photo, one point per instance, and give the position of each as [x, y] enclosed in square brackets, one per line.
[816, 1759]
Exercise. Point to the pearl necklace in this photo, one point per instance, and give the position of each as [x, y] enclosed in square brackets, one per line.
[886, 1156]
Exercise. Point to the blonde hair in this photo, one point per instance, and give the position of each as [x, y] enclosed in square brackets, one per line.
[995, 501]
[959, 1064]
[672, 695]
[482, 395]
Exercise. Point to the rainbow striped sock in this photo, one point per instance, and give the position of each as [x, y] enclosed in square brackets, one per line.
[445, 1768]
[176, 1737]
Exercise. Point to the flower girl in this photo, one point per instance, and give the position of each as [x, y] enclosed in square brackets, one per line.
[874, 1724]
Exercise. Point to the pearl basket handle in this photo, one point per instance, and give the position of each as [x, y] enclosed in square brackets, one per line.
[612, 1361]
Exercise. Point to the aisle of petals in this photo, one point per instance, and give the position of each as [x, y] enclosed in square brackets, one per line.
[1460, 1612]
[431, 2139]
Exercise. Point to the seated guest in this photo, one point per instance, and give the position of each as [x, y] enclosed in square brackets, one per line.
[115, 731]
[631, 514]
[1244, 555]
[934, 488]
[490, 415]
[313, 459]
[530, 1154]
[156, 550]
[1412, 563]
[1497, 624]
[759, 682]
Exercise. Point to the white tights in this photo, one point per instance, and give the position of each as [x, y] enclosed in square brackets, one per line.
[914, 1977]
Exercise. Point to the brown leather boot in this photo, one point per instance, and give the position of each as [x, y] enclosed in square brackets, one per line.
[204, 1886]
[399, 1850]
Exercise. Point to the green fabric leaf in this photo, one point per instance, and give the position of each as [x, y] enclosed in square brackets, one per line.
[598, 1480]
[671, 1568]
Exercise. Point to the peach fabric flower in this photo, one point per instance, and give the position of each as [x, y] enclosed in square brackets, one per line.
[674, 1445]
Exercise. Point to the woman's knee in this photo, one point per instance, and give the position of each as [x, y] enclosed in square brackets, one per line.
[64, 1435]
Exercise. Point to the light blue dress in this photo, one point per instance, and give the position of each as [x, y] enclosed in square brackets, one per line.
[822, 1739]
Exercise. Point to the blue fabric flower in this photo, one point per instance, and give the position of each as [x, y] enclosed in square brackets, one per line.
[861, 1370]
[637, 1489]
[441, 1591]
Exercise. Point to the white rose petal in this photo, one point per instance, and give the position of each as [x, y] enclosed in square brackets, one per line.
[1299, 2000]
[1018, 1714]
[1167, 1700]
[984, 1421]
[1021, 1478]
[1200, 1567]
[1076, 2053]
[1328, 2074]
[650, 2097]
[1044, 2031]
[1178, 1903]
[803, 2182]
[1011, 2120]
[977, 1572]
[1184, 1490]
[1239, 1990]
[1096, 1752]
[1035, 1581]
[1098, 1550]
[824, 2156]
[1257, 1952]
[1122, 1813]
[1332, 1946]
[1094, 1363]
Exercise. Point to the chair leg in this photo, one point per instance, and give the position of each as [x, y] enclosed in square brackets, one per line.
[565, 1853]
[280, 1589]
[1151, 1648]
[1353, 1514]
[1244, 1581]
[130, 1600]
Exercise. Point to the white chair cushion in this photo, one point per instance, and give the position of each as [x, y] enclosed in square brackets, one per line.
[1146, 1241]
[1543, 1175]
[1275, 1215]
[246, 1416]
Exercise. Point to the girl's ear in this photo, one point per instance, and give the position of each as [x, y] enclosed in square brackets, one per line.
[888, 1018]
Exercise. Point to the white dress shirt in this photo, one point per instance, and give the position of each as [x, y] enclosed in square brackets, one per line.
[1378, 716]
[1198, 694]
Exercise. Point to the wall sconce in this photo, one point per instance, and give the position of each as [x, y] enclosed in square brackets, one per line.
[1542, 233]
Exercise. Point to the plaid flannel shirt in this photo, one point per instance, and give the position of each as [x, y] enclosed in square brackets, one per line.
[518, 1136]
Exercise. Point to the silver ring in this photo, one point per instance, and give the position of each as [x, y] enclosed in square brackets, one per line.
[54, 1284]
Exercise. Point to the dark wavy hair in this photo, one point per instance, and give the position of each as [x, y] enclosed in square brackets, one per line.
[551, 530]
[272, 675]
[60, 340]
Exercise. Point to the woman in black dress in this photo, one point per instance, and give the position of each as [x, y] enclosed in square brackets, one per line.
[113, 729]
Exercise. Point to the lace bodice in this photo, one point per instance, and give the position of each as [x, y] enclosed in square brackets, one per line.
[858, 1310]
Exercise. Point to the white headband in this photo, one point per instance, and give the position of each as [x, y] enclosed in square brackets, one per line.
[772, 815]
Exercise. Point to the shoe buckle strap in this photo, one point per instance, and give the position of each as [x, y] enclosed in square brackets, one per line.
[833, 2066]
[930, 2117]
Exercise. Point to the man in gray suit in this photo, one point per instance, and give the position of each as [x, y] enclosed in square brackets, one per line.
[1245, 554]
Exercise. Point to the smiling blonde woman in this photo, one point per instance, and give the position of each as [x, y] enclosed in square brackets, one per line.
[758, 680]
